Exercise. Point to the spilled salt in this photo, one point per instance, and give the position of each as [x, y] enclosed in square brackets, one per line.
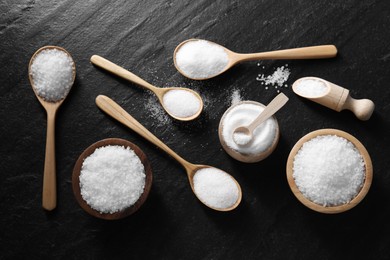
[215, 188]
[181, 103]
[201, 59]
[277, 79]
[329, 170]
[112, 178]
[52, 74]
[235, 97]
[311, 88]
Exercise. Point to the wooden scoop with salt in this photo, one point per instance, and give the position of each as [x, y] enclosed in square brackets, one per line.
[332, 96]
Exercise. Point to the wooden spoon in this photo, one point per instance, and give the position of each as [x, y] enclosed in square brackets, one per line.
[159, 92]
[242, 135]
[313, 52]
[114, 110]
[49, 193]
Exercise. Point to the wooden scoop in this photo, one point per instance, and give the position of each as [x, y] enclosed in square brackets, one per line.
[338, 98]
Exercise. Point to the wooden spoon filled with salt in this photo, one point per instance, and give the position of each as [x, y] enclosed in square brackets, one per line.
[201, 59]
[180, 103]
[52, 72]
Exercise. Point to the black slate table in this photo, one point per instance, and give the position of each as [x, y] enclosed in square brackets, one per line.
[270, 223]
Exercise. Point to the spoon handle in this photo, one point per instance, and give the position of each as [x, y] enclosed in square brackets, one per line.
[121, 72]
[313, 52]
[114, 110]
[277, 103]
[49, 191]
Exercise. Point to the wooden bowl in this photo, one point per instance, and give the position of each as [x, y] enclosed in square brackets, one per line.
[330, 209]
[76, 181]
[242, 157]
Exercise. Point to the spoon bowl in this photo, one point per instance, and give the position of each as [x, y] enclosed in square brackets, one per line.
[159, 92]
[233, 58]
[117, 112]
[49, 194]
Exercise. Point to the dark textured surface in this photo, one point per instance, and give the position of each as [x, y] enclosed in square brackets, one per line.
[270, 223]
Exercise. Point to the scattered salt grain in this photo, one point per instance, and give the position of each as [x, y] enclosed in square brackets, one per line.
[311, 88]
[112, 178]
[244, 114]
[236, 97]
[201, 59]
[52, 74]
[215, 188]
[181, 103]
[329, 170]
[277, 79]
[156, 111]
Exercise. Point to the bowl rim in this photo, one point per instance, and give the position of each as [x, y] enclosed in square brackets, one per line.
[330, 209]
[76, 181]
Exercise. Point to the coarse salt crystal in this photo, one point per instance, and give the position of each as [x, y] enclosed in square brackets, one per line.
[112, 178]
[52, 74]
[201, 59]
[181, 103]
[311, 88]
[215, 188]
[329, 170]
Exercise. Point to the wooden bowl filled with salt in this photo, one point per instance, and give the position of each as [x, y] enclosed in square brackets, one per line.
[329, 171]
[111, 179]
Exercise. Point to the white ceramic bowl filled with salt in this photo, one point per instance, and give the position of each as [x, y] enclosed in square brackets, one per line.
[329, 171]
[112, 179]
[265, 136]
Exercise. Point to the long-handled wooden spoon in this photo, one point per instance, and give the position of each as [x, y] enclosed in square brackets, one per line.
[49, 193]
[159, 92]
[114, 110]
[313, 52]
[242, 135]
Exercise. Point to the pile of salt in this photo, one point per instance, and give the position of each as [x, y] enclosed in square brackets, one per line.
[52, 74]
[112, 178]
[181, 103]
[201, 59]
[329, 170]
[311, 88]
[215, 188]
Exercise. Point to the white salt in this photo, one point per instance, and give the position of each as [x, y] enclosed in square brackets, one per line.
[201, 59]
[241, 138]
[329, 170]
[311, 88]
[244, 114]
[52, 74]
[112, 178]
[235, 97]
[215, 188]
[278, 77]
[181, 103]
